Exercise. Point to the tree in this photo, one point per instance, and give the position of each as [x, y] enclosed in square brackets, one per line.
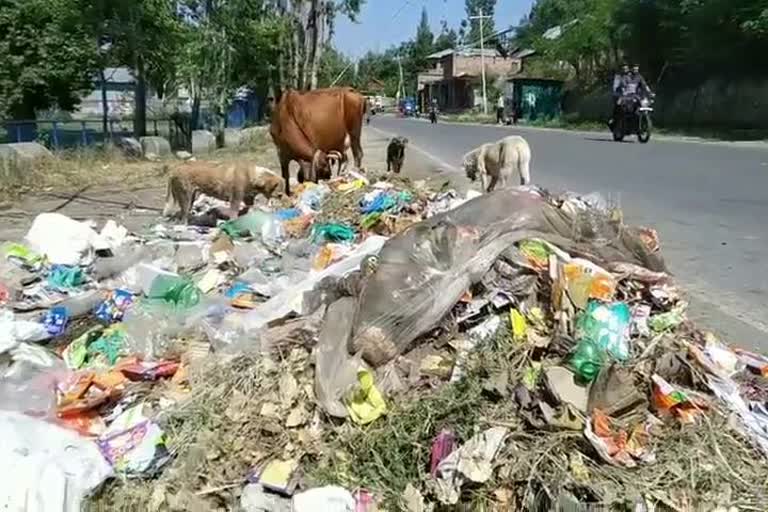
[473, 8]
[447, 39]
[146, 36]
[422, 44]
[333, 65]
[48, 56]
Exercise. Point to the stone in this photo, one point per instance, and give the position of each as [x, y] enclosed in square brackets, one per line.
[158, 146]
[203, 142]
[129, 147]
[562, 384]
[184, 155]
[19, 157]
[233, 137]
[256, 499]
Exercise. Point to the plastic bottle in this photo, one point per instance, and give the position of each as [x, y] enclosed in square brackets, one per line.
[82, 304]
[175, 290]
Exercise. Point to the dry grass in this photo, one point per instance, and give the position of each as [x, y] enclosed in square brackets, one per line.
[67, 171]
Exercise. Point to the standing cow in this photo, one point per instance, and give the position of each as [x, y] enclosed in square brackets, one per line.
[312, 127]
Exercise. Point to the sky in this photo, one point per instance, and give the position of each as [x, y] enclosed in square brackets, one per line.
[383, 23]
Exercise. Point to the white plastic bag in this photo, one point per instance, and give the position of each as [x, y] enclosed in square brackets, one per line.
[62, 240]
[45, 467]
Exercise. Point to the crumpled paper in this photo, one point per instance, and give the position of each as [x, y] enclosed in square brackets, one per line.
[472, 462]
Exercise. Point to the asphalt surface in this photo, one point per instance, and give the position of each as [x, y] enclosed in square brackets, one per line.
[708, 201]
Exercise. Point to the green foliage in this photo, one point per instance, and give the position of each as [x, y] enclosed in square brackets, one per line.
[473, 8]
[691, 39]
[332, 64]
[47, 55]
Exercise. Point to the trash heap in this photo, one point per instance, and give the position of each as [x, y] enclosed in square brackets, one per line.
[370, 344]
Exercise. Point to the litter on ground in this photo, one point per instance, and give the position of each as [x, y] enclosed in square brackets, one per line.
[371, 344]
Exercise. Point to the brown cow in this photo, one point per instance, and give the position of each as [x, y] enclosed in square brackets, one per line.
[312, 127]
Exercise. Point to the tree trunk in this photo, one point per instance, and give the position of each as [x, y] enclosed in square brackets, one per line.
[318, 41]
[140, 101]
[104, 106]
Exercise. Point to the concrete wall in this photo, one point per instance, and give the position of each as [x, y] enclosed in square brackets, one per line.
[493, 65]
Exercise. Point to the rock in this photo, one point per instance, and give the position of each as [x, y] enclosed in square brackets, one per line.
[288, 389]
[157, 146]
[19, 157]
[129, 147]
[233, 137]
[203, 142]
[254, 135]
[255, 499]
[297, 417]
[562, 384]
[184, 155]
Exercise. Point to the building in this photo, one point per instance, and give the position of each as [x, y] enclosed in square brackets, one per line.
[455, 76]
[121, 87]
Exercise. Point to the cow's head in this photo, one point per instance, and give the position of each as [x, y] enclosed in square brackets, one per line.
[470, 164]
[320, 166]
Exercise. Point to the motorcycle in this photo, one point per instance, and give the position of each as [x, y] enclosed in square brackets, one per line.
[634, 119]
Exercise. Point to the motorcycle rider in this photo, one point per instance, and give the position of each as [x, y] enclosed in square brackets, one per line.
[619, 80]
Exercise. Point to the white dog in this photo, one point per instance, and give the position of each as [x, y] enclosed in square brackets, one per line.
[498, 162]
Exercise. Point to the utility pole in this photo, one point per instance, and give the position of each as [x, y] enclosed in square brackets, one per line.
[400, 85]
[482, 57]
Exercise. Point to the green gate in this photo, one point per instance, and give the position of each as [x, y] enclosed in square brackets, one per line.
[538, 99]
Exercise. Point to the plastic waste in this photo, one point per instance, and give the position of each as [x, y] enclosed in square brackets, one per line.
[114, 306]
[672, 401]
[46, 466]
[63, 277]
[587, 360]
[151, 328]
[56, 320]
[133, 444]
[472, 462]
[442, 446]
[423, 271]
[667, 321]
[293, 299]
[365, 404]
[617, 446]
[607, 326]
[328, 499]
[332, 233]
[23, 255]
[174, 290]
[288, 214]
[311, 198]
[111, 236]
[62, 240]
[585, 281]
[82, 303]
[255, 499]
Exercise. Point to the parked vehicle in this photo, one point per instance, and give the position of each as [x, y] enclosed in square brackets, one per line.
[408, 107]
[634, 119]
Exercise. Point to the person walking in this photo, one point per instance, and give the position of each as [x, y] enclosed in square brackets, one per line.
[500, 110]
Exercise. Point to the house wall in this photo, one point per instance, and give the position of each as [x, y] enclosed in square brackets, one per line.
[463, 65]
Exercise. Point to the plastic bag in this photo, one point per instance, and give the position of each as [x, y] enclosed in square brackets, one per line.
[607, 326]
[423, 271]
[332, 233]
[62, 240]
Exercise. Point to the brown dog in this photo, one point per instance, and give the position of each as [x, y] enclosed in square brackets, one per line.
[236, 182]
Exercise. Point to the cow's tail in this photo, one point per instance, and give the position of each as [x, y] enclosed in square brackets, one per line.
[169, 199]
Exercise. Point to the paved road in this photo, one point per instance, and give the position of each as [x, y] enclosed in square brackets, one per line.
[709, 203]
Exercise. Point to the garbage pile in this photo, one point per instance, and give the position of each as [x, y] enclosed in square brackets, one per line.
[370, 344]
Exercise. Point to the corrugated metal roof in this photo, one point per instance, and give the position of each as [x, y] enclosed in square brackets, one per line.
[468, 52]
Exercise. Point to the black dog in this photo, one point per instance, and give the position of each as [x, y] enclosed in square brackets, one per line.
[396, 154]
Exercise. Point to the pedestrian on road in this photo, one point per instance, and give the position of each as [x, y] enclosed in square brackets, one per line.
[500, 110]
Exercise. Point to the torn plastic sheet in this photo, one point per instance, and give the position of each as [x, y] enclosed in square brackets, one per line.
[423, 271]
[46, 467]
[752, 416]
[472, 462]
[292, 300]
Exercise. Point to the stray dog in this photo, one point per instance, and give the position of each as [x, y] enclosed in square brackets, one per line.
[498, 162]
[396, 154]
[236, 182]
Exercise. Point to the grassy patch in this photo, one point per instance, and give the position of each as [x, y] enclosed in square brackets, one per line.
[73, 169]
